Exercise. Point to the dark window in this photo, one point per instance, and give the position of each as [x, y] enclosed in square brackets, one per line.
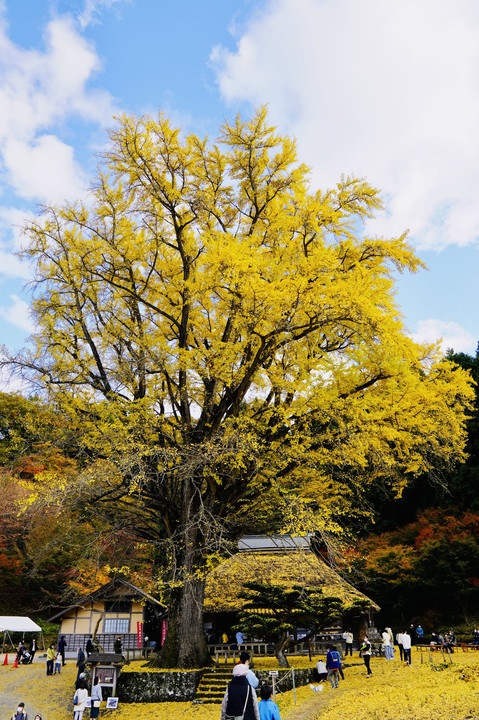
[118, 606]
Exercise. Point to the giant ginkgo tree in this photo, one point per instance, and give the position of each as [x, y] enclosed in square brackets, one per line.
[226, 342]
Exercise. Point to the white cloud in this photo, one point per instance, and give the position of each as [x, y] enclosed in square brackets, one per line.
[11, 266]
[92, 8]
[44, 169]
[12, 222]
[39, 91]
[451, 335]
[18, 313]
[379, 89]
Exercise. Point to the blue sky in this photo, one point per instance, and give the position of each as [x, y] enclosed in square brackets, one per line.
[384, 90]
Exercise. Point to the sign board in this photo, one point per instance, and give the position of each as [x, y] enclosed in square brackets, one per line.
[139, 634]
[273, 673]
[164, 628]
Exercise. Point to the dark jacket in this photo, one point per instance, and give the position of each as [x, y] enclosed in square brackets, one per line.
[234, 700]
[80, 658]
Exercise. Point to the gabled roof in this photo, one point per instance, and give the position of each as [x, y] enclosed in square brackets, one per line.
[116, 588]
[225, 584]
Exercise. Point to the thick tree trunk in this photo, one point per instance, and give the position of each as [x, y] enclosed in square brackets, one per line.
[279, 649]
[185, 645]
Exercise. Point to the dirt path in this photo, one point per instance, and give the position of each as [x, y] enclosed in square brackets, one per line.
[310, 708]
[50, 696]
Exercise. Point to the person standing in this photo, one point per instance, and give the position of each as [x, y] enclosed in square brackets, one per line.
[239, 638]
[348, 639]
[20, 713]
[250, 676]
[399, 642]
[58, 663]
[32, 648]
[80, 662]
[366, 650]
[406, 644]
[50, 658]
[386, 644]
[118, 645]
[333, 663]
[89, 646]
[340, 664]
[79, 701]
[419, 635]
[224, 638]
[268, 710]
[239, 698]
[412, 633]
[61, 647]
[20, 650]
[96, 698]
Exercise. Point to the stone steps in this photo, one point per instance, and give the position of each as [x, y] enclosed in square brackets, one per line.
[212, 687]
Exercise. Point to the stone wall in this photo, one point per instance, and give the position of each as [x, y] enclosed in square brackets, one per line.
[181, 686]
[158, 686]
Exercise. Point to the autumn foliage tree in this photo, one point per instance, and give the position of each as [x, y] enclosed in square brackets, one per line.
[427, 568]
[227, 343]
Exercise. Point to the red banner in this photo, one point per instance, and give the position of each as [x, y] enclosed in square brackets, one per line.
[139, 634]
[164, 627]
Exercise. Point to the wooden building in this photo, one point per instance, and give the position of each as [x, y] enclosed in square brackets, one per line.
[280, 560]
[114, 609]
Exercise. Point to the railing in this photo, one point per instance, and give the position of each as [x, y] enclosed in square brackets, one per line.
[229, 652]
[138, 654]
[106, 641]
[429, 649]
[224, 652]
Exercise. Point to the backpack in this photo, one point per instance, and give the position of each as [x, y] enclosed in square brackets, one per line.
[335, 660]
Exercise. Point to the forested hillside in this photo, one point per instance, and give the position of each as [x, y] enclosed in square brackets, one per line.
[420, 558]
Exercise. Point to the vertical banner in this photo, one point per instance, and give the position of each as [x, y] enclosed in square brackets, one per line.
[139, 634]
[164, 627]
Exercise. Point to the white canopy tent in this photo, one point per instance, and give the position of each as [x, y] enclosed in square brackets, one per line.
[16, 623]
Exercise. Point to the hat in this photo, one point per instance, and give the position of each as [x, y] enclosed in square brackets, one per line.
[240, 669]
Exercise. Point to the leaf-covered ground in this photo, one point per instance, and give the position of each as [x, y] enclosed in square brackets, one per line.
[51, 696]
[395, 692]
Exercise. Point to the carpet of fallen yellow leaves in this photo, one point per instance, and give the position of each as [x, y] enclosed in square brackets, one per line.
[395, 692]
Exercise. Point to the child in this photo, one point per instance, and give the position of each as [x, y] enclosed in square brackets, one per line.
[268, 710]
[58, 663]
